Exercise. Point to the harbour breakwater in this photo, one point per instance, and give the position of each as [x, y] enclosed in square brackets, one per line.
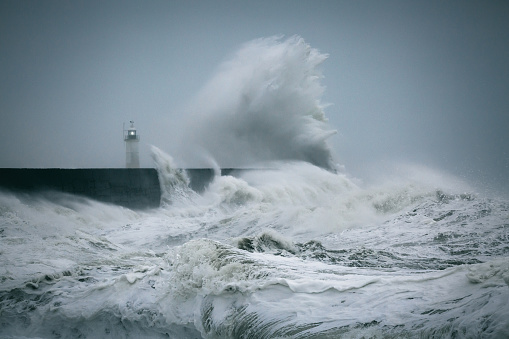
[136, 188]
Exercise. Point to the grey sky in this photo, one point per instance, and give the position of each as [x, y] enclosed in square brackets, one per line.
[420, 81]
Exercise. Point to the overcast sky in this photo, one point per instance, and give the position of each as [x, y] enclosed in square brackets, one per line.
[419, 81]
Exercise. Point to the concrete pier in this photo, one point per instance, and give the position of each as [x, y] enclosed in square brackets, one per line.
[136, 188]
[133, 188]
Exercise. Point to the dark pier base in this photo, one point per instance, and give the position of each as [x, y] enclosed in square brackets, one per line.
[135, 188]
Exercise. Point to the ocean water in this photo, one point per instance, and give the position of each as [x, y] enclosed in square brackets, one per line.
[295, 248]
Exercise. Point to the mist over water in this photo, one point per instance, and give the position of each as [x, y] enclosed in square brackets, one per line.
[263, 104]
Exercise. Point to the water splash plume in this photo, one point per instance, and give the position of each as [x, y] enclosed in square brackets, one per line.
[174, 181]
[263, 105]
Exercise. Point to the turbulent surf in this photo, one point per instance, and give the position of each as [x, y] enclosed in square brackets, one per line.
[292, 248]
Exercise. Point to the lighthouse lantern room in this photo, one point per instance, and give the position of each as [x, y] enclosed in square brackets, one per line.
[131, 138]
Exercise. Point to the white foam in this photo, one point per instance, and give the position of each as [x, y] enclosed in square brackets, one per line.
[262, 104]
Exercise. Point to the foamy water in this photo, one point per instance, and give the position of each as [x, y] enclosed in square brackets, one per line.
[290, 250]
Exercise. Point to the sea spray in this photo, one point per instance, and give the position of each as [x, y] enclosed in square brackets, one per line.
[288, 251]
[263, 104]
[174, 181]
[293, 258]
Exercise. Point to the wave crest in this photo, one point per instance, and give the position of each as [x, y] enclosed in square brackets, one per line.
[263, 105]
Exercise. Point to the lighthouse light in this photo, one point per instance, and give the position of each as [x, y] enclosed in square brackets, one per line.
[131, 147]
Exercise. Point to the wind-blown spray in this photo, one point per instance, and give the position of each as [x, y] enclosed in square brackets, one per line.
[262, 105]
[289, 251]
[173, 180]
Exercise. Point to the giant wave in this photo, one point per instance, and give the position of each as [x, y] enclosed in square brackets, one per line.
[291, 250]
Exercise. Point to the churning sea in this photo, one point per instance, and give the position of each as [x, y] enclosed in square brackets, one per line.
[291, 252]
[293, 249]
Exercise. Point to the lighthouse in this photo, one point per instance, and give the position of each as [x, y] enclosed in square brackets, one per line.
[132, 157]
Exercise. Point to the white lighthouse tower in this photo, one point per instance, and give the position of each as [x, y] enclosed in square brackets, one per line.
[132, 157]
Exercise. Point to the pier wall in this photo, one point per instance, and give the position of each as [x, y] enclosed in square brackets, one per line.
[136, 188]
